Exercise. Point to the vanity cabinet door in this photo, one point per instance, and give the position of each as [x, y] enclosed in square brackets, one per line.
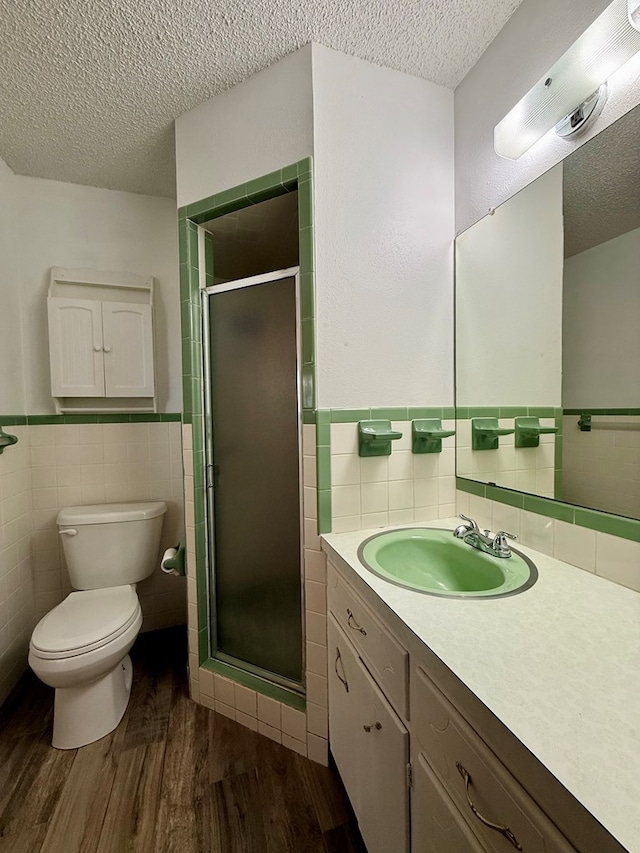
[436, 824]
[370, 746]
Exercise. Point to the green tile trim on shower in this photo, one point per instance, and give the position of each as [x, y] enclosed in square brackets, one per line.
[289, 178]
[324, 511]
[323, 467]
[254, 191]
[96, 418]
[615, 525]
[254, 682]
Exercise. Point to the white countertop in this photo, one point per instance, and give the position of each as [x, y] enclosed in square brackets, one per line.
[558, 664]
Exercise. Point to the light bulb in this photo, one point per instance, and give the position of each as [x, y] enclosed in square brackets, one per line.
[633, 10]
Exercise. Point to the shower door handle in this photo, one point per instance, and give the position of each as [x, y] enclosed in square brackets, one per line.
[212, 475]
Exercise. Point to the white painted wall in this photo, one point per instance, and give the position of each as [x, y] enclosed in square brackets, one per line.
[509, 301]
[12, 397]
[601, 325]
[383, 165]
[533, 39]
[252, 129]
[70, 225]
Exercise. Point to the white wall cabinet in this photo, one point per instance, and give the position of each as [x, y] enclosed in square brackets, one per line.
[101, 340]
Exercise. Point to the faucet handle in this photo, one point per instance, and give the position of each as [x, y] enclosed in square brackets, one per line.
[500, 542]
[502, 534]
[471, 521]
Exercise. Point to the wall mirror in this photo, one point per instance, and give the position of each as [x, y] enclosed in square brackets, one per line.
[548, 332]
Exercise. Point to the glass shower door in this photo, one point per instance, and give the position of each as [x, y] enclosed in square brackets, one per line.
[255, 528]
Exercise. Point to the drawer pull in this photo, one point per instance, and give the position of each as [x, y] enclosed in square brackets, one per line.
[377, 726]
[343, 680]
[503, 830]
[351, 622]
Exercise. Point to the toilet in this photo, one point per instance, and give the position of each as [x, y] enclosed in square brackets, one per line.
[81, 646]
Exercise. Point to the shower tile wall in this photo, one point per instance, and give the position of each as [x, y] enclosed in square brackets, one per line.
[602, 467]
[77, 464]
[17, 606]
[529, 469]
[306, 731]
[396, 489]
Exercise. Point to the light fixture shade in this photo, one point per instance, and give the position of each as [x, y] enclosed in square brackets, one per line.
[633, 10]
[606, 45]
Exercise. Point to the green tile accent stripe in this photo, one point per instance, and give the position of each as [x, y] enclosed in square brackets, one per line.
[586, 410]
[101, 418]
[254, 682]
[615, 525]
[466, 412]
[389, 413]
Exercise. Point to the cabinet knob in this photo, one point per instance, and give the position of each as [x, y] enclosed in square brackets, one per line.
[377, 726]
[107, 349]
[97, 349]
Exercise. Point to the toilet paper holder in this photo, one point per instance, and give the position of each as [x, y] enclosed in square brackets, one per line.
[173, 560]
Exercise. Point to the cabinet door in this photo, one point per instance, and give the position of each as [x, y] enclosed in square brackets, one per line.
[75, 345]
[371, 748]
[128, 349]
[436, 824]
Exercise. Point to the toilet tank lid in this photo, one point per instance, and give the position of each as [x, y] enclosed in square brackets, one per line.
[108, 513]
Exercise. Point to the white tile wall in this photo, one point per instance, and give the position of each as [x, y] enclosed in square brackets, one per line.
[17, 603]
[304, 732]
[529, 469]
[601, 468]
[611, 557]
[97, 463]
[396, 489]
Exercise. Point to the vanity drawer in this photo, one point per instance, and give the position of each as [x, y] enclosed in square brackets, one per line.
[437, 826]
[385, 657]
[472, 774]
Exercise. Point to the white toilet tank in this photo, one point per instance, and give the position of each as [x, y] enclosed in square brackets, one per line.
[111, 544]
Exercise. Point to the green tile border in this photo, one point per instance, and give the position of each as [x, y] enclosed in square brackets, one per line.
[466, 412]
[587, 410]
[615, 525]
[390, 413]
[254, 682]
[102, 418]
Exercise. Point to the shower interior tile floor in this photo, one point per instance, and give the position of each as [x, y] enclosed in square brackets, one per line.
[174, 776]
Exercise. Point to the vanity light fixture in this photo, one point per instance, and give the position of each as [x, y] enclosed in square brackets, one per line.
[573, 92]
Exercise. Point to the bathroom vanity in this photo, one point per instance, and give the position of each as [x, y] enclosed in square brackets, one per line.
[473, 726]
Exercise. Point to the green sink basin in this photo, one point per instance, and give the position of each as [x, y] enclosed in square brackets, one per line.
[434, 561]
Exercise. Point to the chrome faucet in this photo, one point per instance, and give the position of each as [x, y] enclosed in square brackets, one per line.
[497, 545]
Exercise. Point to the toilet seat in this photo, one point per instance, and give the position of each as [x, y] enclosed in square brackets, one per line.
[85, 621]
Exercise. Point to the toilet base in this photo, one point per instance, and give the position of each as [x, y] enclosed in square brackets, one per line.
[88, 712]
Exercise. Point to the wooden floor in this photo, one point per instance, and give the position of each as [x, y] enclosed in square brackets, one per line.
[174, 776]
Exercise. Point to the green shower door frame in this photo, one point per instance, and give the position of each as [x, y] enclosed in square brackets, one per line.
[253, 440]
[196, 272]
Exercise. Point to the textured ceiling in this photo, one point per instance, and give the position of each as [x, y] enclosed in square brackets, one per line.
[89, 88]
[601, 192]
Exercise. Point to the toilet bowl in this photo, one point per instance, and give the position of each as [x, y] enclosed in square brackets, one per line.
[81, 646]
